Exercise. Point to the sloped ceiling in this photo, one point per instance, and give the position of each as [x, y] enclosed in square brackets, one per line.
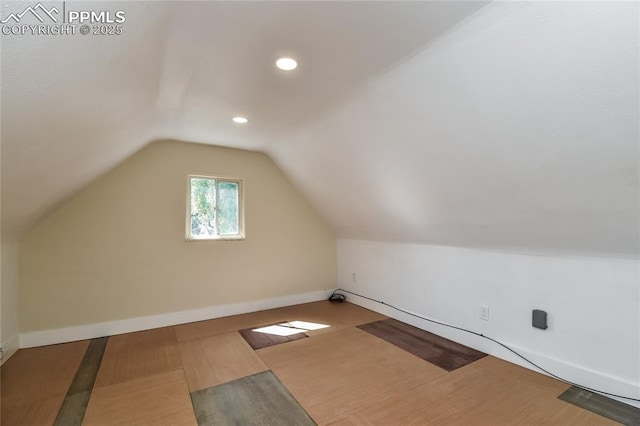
[504, 125]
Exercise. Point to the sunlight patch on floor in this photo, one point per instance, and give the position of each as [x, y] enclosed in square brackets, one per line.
[289, 328]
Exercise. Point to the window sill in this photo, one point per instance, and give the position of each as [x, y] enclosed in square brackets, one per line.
[197, 240]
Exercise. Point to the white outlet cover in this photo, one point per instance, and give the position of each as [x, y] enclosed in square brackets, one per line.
[484, 313]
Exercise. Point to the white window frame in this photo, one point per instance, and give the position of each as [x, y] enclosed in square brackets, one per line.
[241, 232]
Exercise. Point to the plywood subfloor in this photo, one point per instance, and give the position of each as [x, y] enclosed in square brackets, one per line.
[334, 373]
[161, 399]
[472, 395]
[218, 359]
[336, 315]
[35, 382]
[339, 375]
[202, 329]
[135, 355]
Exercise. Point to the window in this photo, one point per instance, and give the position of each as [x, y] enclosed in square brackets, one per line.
[214, 209]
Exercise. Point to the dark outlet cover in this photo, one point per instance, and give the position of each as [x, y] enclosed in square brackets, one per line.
[539, 319]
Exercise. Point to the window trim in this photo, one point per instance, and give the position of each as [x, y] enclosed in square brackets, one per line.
[187, 224]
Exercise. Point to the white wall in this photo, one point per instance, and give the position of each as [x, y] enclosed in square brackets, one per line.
[593, 304]
[9, 299]
[516, 130]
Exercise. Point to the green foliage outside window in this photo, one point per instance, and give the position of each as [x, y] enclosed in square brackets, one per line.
[214, 208]
[227, 208]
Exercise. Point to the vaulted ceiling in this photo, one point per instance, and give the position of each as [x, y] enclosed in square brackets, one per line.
[510, 125]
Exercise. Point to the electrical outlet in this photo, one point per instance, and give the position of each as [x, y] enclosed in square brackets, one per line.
[354, 277]
[484, 313]
[1, 352]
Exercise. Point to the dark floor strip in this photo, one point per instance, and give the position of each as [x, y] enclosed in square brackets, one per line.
[599, 404]
[259, 340]
[75, 403]
[437, 350]
[260, 399]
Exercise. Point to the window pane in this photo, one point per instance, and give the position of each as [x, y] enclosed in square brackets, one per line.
[228, 208]
[203, 211]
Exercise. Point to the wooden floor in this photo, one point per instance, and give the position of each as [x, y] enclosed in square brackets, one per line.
[340, 375]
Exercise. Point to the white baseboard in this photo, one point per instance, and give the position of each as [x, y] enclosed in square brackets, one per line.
[9, 347]
[568, 371]
[110, 328]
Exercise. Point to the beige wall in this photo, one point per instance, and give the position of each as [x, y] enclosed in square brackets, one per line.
[117, 249]
[9, 298]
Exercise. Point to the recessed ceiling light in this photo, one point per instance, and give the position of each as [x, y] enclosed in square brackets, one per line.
[286, 64]
[240, 120]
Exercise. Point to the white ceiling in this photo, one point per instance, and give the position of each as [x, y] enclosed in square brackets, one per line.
[508, 125]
